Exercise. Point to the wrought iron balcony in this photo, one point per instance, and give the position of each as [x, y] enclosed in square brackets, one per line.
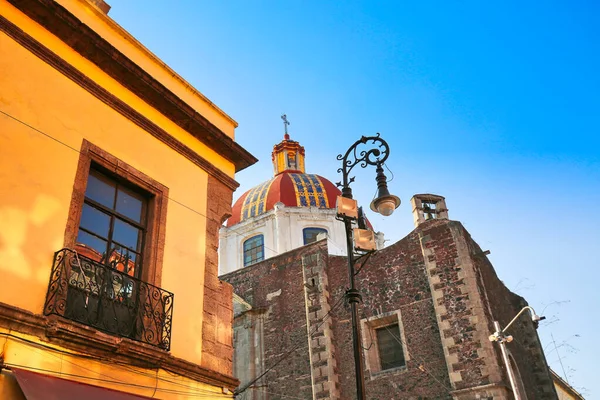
[109, 300]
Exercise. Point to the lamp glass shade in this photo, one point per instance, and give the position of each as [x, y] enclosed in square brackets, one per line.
[385, 205]
[347, 207]
[364, 239]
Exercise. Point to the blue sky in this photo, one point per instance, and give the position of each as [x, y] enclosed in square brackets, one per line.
[492, 105]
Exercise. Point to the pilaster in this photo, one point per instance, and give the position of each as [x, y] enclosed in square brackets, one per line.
[325, 381]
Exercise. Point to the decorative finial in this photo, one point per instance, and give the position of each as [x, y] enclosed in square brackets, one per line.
[285, 125]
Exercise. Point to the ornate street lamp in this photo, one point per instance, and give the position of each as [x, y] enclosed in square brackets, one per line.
[361, 238]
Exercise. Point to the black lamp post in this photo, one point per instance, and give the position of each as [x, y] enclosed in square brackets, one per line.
[375, 154]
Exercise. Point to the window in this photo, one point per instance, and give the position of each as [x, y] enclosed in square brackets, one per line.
[429, 210]
[254, 250]
[311, 234]
[130, 203]
[114, 246]
[389, 346]
[113, 223]
[383, 343]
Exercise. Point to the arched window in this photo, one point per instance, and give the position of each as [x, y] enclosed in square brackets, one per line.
[310, 234]
[254, 250]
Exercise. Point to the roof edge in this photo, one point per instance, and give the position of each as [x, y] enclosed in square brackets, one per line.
[63, 24]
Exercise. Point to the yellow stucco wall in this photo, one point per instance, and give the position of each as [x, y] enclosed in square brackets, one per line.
[564, 393]
[128, 45]
[146, 382]
[95, 73]
[37, 175]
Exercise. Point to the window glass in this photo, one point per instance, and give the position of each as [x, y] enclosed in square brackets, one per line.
[101, 189]
[97, 245]
[126, 234]
[389, 345]
[253, 250]
[311, 234]
[95, 221]
[129, 204]
[122, 259]
[107, 236]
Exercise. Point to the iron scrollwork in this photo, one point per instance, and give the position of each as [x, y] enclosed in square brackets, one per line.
[94, 294]
[376, 155]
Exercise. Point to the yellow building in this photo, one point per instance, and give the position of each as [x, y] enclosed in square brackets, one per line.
[115, 176]
[563, 389]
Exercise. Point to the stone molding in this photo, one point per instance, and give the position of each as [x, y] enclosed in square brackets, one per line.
[90, 45]
[321, 351]
[458, 305]
[80, 338]
[368, 327]
[152, 260]
[493, 391]
[217, 340]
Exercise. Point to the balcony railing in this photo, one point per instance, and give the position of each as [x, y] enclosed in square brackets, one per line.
[102, 297]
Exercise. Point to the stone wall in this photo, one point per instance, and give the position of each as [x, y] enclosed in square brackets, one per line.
[526, 348]
[392, 280]
[276, 288]
[435, 283]
[217, 351]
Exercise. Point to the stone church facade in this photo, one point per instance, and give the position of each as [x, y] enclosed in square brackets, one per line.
[429, 305]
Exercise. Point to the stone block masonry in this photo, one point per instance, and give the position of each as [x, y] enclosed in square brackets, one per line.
[435, 284]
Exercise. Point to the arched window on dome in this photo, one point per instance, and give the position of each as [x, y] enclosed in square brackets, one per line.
[311, 234]
[254, 250]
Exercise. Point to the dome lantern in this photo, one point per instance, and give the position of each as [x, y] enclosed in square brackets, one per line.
[287, 155]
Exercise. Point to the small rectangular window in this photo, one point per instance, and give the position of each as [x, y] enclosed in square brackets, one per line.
[384, 343]
[389, 345]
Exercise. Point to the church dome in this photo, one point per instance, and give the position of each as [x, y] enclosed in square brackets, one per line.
[292, 188]
[290, 185]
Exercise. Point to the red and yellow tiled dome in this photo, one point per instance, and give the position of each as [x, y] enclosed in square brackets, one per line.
[290, 186]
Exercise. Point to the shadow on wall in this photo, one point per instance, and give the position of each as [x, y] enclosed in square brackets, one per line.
[29, 235]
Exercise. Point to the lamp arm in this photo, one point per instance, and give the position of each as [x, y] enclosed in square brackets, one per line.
[531, 310]
[373, 156]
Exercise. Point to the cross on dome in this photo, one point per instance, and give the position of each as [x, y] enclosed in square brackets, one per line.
[291, 185]
[285, 125]
[288, 155]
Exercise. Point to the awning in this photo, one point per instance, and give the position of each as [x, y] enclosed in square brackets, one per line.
[38, 386]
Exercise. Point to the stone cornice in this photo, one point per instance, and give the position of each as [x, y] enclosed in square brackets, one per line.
[80, 338]
[85, 41]
[491, 386]
[131, 39]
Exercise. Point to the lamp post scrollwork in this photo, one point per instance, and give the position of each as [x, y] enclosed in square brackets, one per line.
[375, 154]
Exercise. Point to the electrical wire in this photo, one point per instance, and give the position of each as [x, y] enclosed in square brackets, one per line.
[421, 362]
[125, 171]
[297, 347]
[334, 243]
[155, 384]
[390, 171]
[323, 319]
[198, 213]
[287, 396]
[101, 359]
[79, 152]
[4, 345]
[366, 257]
[134, 385]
